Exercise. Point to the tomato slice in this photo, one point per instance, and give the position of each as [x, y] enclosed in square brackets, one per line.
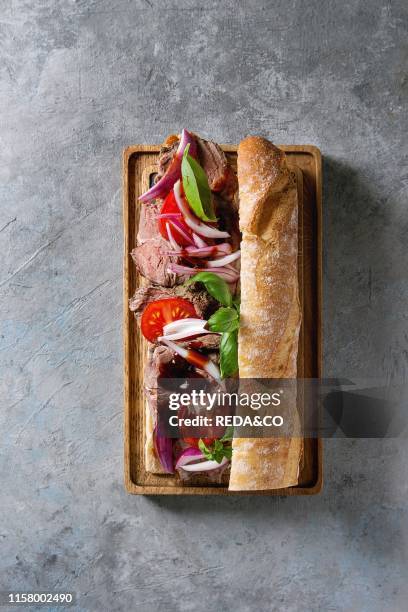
[209, 434]
[194, 441]
[170, 207]
[160, 312]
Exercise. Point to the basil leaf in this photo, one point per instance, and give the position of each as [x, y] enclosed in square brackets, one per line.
[216, 286]
[218, 446]
[196, 188]
[237, 303]
[204, 449]
[224, 320]
[229, 353]
[229, 435]
[217, 452]
[218, 455]
[228, 452]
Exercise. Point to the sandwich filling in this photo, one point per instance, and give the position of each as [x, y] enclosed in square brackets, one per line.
[188, 249]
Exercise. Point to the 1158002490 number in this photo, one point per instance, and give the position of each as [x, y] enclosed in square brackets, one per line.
[38, 598]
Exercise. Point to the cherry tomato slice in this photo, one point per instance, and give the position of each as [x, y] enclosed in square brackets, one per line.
[170, 206]
[194, 441]
[160, 312]
[213, 432]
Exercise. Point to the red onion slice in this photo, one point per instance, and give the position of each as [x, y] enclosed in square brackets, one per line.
[184, 328]
[227, 274]
[164, 450]
[188, 456]
[170, 216]
[189, 461]
[180, 324]
[223, 261]
[195, 358]
[187, 332]
[182, 335]
[208, 251]
[231, 267]
[204, 466]
[173, 173]
[171, 238]
[177, 225]
[192, 221]
[199, 241]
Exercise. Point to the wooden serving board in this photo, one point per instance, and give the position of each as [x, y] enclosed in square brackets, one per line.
[138, 166]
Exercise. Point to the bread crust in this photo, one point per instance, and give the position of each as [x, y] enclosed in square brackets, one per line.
[270, 309]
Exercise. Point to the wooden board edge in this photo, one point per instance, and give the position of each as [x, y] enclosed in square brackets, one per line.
[319, 207]
[315, 151]
[318, 486]
[139, 148]
[135, 489]
[228, 148]
[127, 153]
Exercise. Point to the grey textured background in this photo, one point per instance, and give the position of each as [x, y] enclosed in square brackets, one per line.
[80, 80]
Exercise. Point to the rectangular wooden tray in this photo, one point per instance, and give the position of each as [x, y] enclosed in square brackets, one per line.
[138, 166]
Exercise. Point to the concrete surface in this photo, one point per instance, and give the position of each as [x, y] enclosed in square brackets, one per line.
[80, 80]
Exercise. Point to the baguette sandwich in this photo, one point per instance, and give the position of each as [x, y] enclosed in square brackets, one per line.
[219, 254]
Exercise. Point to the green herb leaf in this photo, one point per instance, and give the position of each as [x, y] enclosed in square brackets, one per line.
[229, 353]
[196, 188]
[204, 449]
[237, 303]
[224, 320]
[227, 451]
[216, 286]
[229, 435]
[217, 451]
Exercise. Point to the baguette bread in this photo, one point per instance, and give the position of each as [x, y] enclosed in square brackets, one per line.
[270, 309]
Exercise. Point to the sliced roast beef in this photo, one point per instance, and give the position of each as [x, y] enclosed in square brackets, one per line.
[158, 358]
[167, 152]
[228, 220]
[221, 177]
[145, 295]
[163, 363]
[204, 304]
[152, 261]
[151, 255]
[148, 228]
[207, 342]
